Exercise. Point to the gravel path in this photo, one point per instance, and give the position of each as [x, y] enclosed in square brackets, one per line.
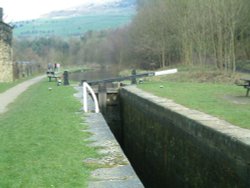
[11, 94]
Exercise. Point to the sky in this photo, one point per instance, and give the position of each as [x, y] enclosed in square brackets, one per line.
[17, 10]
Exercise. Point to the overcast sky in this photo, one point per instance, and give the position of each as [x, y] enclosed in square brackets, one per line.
[16, 10]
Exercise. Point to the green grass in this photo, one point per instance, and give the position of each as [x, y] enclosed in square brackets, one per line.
[4, 86]
[42, 142]
[225, 101]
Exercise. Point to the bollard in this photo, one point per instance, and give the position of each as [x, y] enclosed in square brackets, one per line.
[102, 96]
[65, 78]
[133, 79]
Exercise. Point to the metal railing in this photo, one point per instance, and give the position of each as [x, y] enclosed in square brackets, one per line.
[87, 88]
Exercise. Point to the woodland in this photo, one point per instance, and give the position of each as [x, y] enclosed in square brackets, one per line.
[162, 33]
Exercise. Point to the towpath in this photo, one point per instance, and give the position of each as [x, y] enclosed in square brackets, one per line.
[11, 94]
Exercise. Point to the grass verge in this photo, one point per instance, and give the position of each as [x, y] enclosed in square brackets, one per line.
[4, 86]
[225, 101]
[41, 142]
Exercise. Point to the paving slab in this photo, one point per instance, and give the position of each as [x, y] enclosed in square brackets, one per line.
[118, 172]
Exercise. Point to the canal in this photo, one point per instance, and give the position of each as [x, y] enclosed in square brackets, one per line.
[172, 146]
[96, 74]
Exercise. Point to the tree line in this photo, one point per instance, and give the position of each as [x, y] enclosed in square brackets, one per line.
[163, 33]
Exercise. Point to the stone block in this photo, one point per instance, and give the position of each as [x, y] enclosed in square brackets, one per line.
[6, 59]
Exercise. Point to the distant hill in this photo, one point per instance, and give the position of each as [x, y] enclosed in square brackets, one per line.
[78, 20]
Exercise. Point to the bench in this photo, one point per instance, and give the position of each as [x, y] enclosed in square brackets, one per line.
[248, 88]
[246, 85]
[51, 75]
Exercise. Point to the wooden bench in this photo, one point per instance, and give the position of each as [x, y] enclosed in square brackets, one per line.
[52, 75]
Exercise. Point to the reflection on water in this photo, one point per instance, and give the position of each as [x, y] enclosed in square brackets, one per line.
[93, 75]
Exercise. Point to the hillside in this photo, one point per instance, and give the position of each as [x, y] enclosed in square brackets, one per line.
[78, 20]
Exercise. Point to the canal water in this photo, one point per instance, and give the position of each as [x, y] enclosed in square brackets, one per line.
[90, 75]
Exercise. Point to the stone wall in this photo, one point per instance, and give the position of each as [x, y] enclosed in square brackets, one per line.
[6, 63]
[173, 146]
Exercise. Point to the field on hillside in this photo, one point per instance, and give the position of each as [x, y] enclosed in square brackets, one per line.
[71, 26]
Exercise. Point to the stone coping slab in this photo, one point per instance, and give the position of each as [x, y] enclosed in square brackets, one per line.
[118, 172]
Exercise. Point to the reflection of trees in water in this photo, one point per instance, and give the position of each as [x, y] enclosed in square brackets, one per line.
[94, 74]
